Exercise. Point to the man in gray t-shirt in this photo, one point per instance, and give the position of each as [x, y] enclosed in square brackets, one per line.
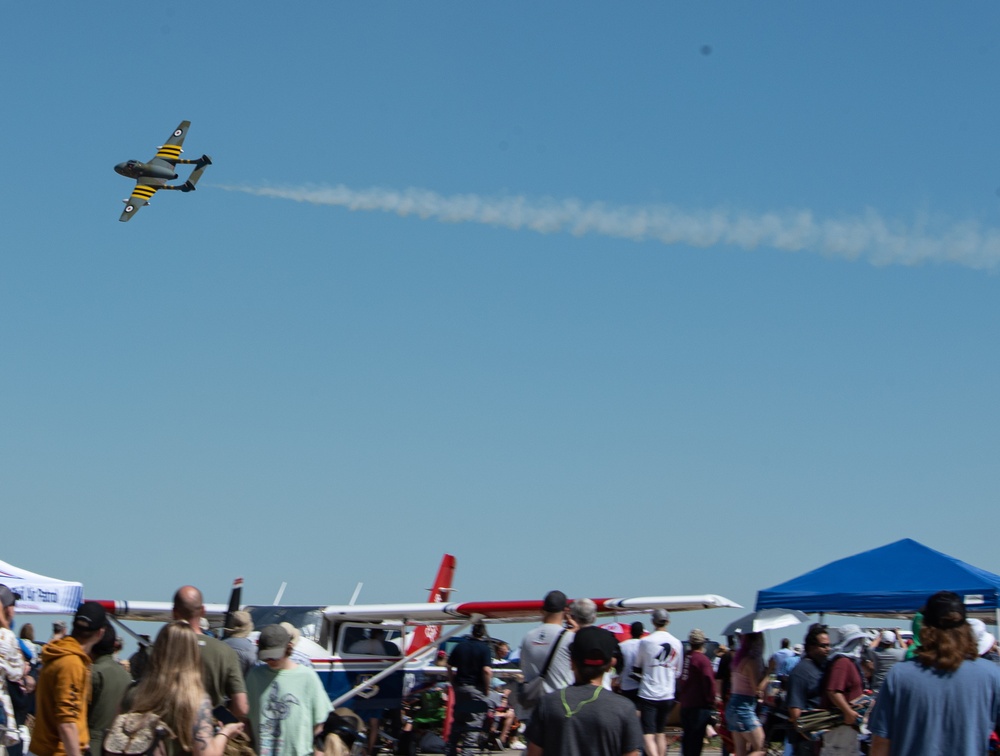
[883, 657]
[539, 643]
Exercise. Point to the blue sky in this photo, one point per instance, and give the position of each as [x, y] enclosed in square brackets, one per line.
[643, 298]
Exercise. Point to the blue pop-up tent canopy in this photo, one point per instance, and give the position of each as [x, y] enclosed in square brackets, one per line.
[889, 581]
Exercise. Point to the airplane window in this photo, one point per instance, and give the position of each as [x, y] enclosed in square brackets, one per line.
[308, 619]
[371, 641]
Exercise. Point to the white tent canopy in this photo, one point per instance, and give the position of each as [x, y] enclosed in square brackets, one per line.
[40, 594]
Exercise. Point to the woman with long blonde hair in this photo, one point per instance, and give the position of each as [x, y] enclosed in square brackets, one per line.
[172, 689]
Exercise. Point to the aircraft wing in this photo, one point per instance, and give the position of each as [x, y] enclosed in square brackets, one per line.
[171, 149]
[145, 188]
[442, 613]
[516, 611]
[153, 611]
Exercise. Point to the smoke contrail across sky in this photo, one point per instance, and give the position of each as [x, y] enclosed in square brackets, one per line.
[867, 236]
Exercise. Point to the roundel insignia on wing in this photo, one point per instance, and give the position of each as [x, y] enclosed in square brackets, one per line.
[129, 208]
[178, 132]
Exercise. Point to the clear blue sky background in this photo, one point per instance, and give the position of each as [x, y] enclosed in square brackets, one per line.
[235, 384]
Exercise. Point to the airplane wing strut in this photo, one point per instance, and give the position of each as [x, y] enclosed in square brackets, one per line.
[339, 701]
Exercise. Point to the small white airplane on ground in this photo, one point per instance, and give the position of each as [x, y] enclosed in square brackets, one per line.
[333, 636]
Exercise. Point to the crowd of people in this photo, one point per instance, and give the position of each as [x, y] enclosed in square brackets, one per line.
[73, 697]
[606, 697]
[835, 691]
[581, 690]
[843, 691]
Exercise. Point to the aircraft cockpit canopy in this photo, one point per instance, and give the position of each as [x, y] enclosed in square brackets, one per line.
[308, 619]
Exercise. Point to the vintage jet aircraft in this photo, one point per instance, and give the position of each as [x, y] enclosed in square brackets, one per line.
[330, 634]
[152, 176]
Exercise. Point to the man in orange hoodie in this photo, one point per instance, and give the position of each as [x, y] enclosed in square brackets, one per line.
[64, 687]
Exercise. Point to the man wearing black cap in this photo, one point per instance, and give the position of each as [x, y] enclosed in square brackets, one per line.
[584, 718]
[947, 699]
[61, 699]
[108, 683]
[548, 644]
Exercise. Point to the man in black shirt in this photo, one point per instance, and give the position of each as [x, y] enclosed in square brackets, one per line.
[470, 671]
[804, 685]
[584, 719]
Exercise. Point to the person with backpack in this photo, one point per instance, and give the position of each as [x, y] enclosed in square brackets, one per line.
[170, 710]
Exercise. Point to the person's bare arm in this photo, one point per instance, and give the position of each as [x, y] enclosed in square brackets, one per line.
[880, 746]
[208, 742]
[70, 737]
[534, 749]
[239, 704]
[793, 714]
[839, 700]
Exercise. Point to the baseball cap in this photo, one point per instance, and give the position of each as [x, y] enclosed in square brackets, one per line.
[273, 642]
[944, 611]
[555, 601]
[660, 616]
[7, 596]
[696, 636]
[593, 646]
[90, 616]
[888, 636]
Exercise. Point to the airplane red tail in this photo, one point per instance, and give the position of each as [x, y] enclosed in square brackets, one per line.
[440, 592]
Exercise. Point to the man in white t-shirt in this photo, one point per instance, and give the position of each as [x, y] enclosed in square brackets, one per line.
[539, 643]
[661, 658]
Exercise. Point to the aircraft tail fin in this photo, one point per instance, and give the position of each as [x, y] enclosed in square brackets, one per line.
[234, 601]
[200, 166]
[439, 594]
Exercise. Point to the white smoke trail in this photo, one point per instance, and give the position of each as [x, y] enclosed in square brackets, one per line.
[865, 237]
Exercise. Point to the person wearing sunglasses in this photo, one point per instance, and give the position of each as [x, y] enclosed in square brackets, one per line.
[805, 685]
